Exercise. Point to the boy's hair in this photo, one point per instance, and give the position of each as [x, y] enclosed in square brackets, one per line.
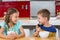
[9, 12]
[44, 13]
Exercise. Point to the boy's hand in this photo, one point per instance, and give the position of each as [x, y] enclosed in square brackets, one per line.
[38, 29]
[36, 33]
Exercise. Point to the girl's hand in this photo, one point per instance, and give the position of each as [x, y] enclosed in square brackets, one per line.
[10, 37]
[14, 35]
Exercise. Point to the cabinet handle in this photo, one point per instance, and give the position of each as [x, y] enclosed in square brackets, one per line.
[22, 6]
[26, 7]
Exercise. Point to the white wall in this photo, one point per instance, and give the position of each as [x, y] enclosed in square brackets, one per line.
[42, 0]
[37, 5]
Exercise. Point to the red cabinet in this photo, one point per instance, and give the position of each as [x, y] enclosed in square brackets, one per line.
[58, 8]
[22, 6]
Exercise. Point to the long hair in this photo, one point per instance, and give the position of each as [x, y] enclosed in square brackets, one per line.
[9, 12]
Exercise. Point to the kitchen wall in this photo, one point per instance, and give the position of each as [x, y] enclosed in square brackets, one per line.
[37, 5]
[33, 8]
[42, 0]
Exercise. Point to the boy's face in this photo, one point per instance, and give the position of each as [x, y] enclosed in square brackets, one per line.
[14, 17]
[41, 19]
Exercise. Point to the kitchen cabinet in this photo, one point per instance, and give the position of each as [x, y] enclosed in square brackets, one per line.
[15, 0]
[57, 7]
[22, 6]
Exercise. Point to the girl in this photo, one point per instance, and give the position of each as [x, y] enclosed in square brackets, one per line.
[11, 27]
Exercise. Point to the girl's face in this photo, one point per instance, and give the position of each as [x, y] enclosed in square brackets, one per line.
[14, 17]
[41, 19]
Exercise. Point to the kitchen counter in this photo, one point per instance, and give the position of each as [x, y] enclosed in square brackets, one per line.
[34, 22]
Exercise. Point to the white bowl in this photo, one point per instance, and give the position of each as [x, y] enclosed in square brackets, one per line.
[44, 34]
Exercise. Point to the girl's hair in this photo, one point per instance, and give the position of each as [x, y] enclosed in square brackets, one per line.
[9, 12]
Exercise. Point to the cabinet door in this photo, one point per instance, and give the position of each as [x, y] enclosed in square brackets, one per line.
[14, 0]
[57, 10]
[1, 9]
[23, 7]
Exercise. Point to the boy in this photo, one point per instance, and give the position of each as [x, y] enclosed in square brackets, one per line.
[43, 19]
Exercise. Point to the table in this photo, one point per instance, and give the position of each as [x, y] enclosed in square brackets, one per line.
[33, 38]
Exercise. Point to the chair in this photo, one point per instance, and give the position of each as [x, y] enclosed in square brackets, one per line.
[57, 33]
[27, 32]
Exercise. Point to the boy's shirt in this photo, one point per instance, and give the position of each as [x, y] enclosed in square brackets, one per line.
[51, 30]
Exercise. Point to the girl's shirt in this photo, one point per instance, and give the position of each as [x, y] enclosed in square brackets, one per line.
[15, 28]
